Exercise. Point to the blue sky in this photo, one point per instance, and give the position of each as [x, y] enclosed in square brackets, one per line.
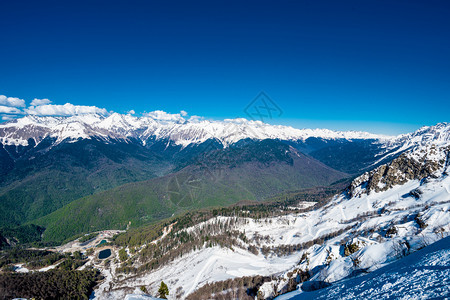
[380, 66]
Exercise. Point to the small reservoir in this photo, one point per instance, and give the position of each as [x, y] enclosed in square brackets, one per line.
[101, 243]
[104, 254]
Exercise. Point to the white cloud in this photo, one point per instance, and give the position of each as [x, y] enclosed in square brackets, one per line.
[11, 101]
[163, 116]
[64, 110]
[7, 118]
[195, 119]
[38, 102]
[10, 110]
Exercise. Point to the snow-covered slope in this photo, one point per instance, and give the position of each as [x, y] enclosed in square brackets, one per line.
[180, 131]
[437, 135]
[386, 214]
[424, 274]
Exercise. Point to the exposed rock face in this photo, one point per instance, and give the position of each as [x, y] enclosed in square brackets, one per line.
[416, 164]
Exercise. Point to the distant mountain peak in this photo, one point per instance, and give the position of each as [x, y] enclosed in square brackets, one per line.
[192, 131]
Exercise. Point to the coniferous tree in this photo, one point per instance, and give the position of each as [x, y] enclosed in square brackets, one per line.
[163, 290]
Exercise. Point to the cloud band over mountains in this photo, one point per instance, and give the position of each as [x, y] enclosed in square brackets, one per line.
[12, 108]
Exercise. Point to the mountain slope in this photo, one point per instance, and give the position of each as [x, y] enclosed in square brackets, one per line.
[422, 275]
[221, 177]
[42, 180]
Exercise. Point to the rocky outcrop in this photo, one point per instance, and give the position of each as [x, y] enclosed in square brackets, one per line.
[416, 164]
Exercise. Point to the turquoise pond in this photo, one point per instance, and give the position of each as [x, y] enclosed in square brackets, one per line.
[101, 243]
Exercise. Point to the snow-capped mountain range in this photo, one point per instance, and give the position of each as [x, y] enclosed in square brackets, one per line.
[180, 131]
[395, 208]
[185, 132]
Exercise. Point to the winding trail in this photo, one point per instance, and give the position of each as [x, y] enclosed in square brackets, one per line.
[213, 259]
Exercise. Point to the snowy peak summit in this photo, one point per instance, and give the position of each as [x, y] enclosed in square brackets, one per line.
[158, 126]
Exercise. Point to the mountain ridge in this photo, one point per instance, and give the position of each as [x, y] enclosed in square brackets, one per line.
[184, 133]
